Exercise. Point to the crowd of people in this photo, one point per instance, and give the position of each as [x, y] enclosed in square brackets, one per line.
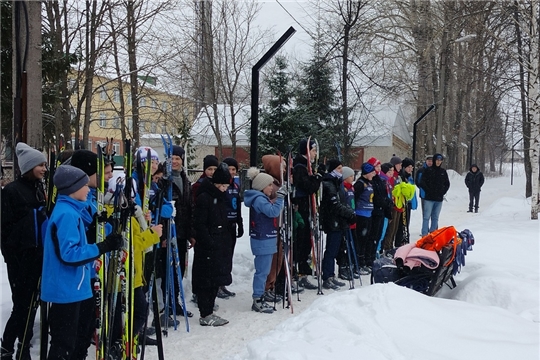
[364, 214]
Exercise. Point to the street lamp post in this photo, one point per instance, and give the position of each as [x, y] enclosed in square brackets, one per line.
[442, 83]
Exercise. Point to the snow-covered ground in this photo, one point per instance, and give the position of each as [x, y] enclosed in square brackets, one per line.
[494, 313]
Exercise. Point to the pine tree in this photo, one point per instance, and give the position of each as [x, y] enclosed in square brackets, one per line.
[279, 127]
[317, 105]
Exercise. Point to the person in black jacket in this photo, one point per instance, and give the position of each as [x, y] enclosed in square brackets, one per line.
[304, 186]
[435, 184]
[22, 251]
[474, 181]
[336, 216]
[212, 260]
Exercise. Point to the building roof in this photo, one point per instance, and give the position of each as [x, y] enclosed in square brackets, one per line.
[377, 126]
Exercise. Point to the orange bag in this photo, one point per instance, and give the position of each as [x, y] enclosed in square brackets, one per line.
[440, 238]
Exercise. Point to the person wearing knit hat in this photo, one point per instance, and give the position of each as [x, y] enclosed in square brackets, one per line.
[263, 231]
[333, 164]
[305, 185]
[402, 234]
[210, 164]
[234, 213]
[347, 173]
[335, 217]
[212, 260]
[374, 161]
[68, 255]
[179, 151]
[28, 158]
[406, 163]
[303, 147]
[21, 200]
[342, 258]
[363, 196]
[435, 183]
[85, 160]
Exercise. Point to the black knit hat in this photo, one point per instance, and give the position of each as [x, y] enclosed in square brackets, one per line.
[85, 160]
[179, 151]
[222, 174]
[332, 164]
[407, 162]
[231, 162]
[210, 160]
[69, 179]
[302, 147]
[386, 167]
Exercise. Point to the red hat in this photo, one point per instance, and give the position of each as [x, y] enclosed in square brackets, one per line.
[373, 161]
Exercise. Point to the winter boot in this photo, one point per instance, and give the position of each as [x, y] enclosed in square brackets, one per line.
[270, 296]
[259, 305]
[162, 321]
[227, 291]
[344, 273]
[329, 284]
[470, 210]
[476, 210]
[221, 294]
[306, 284]
[296, 288]
[180, 311]
[212, 320]
[23, 352]
[337, 282]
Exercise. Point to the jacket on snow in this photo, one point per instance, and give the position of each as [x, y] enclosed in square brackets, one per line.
[263, 221]
[20, 200]
[212, 259]
[435, 183]
[67, 256]
[474, 180]
[336, 214]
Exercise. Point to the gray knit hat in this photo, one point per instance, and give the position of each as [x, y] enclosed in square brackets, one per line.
[69, 179]
[347, 171]
[259, 180]
[28, 157]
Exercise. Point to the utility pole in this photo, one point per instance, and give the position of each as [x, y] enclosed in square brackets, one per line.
[26, 79]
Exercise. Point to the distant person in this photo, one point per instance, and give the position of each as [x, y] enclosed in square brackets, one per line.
[419, 173]
[435, 183]
[474, 181]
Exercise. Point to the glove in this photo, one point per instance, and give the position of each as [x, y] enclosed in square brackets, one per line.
[102, 217]
[173, 204]
[112, 242]
[321, 169]
[240, 231]
[283, 191]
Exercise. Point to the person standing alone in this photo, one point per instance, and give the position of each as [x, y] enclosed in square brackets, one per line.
[435, 183]
[474, 181]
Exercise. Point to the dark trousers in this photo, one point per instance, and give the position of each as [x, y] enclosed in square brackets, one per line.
[163, 263]
[402, 233]
[24, 271]
[87, 328]
[363, 226]
[333, 241]
[474, 199]
[66, 328]
[140, 313]
[377, 223]
[206, 298]
[302, 246]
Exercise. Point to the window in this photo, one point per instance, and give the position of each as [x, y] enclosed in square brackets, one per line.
[103, 93]
[141, 127]
[142, 102]
[116, 122]
[89, 144]
[116, 148]
[130, 124]
[116, 95]
[163, 128]
[154, 104]
[128, 98]
[164, 106]
[102, 120]
[153, 127]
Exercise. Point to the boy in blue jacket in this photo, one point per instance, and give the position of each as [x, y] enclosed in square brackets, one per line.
[67, 259]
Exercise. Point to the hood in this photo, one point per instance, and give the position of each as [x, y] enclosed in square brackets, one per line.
[251, 195]
[477, 168]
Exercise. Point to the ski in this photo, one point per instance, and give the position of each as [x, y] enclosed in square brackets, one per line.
[99, 262]
[285, 227]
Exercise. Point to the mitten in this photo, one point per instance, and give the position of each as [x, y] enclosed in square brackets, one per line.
[112, 242]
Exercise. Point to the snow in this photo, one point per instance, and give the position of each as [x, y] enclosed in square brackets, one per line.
[493, 313]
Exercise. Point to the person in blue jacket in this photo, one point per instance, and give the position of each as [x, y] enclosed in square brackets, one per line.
[263, 231]
[67, 261]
